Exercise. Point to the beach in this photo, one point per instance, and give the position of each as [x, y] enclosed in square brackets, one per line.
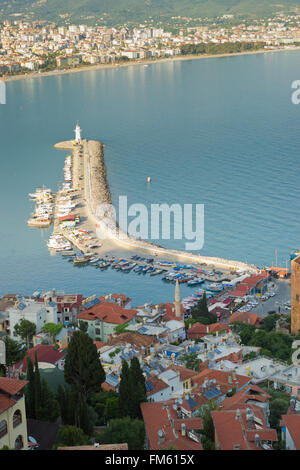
[131, 63]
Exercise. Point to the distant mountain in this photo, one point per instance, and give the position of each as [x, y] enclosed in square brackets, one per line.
[120, 11]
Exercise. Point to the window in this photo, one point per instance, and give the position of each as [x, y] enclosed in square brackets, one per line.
[97, 331]
[3, 428]
[17, 418]
[297, 297]
[19, 443]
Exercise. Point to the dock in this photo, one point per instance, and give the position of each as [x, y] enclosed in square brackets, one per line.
[89, 181]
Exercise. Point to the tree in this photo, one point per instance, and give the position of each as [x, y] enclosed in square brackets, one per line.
[200, 312]
[111, 410]
[132, 389]
[37, 389]
[208, 430]
[25, 329]
[14, 351]
[269, 322]
[138, 387]
[50, 409]
[30, 390]
[71, 436]
[53, 329]
[40, 400]
[83, 368]
[124, 390]
[131, 431]
[191, 361]
[106, 405]
[83, 326]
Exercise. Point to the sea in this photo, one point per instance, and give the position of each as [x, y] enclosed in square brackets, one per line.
[218, 132]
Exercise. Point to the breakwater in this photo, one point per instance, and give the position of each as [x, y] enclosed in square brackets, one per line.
[90, 180]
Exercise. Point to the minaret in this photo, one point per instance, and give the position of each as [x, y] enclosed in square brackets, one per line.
[77, 133]
[177, 302]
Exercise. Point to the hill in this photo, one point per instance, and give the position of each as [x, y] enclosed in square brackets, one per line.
[121, 11]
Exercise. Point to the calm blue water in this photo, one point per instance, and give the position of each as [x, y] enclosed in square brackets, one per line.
[221, 132]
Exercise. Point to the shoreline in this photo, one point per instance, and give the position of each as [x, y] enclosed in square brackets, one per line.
[130, 63]
[95, 191]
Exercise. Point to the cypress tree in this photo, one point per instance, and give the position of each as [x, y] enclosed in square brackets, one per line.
[83, 368]
[138, 387]
[124, 390]
[37, 389]
[49, 409]
[30, 390]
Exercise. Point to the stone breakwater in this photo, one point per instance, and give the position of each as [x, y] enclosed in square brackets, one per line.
[97, 194]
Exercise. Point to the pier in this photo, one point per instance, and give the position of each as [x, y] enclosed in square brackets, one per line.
[91, 189]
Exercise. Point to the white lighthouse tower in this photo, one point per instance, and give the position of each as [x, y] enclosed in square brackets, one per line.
[77, 133]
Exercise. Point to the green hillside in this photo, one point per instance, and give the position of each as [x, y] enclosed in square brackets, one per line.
[121, 11]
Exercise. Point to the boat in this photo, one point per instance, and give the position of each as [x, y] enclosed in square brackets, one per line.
[81, 260]
[39, 222]
[294, 254]
[95, 259]
[195, 282]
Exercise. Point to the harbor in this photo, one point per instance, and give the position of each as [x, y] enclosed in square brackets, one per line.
[99, 235]
[82, 236]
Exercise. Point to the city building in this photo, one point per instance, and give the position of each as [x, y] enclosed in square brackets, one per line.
[167, 428]
[13, 427]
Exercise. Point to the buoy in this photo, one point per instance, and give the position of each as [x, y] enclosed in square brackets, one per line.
[149, 179]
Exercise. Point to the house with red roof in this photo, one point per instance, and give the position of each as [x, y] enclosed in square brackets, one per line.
[247, 318]
[254, 284]
[198, 330]
[250, 395]
[47, 358]
[167, 428]
[221, 380]
[242, 429]
[290, 431]
[103, 317]
[13, 427]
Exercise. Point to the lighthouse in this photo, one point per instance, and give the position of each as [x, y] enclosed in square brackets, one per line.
[77, 133]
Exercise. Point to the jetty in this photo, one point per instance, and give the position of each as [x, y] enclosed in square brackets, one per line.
[91, 191]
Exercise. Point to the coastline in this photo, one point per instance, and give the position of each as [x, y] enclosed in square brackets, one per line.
[130, 63]
[94, 191]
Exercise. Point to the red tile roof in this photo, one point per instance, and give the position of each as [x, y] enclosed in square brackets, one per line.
[222, 377]
[169, 309]
[199, 329]
[245, 317]
[292, 422]
[5, 403]
[157, 385]
[100, 344]
[157, 417]
[109, 312]
[231, 431]
[11, 386]
[44, 353]
[185, 373]
[249, 393]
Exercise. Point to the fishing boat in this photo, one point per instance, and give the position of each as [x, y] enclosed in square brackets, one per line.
[81, 260]
[68, 253]
[40, 222]
[195, 282]
[94, 260]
